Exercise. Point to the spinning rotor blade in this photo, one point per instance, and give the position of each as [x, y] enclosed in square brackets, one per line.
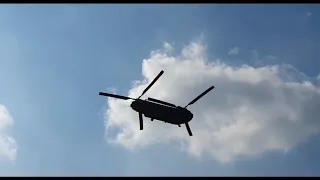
[188, 129]
[161, 102]
[200, 96]
[114, 96]
[155, 79]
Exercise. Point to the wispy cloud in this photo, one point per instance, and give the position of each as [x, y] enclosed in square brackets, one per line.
[168, 47]
[270, 57]
[308, 14]
[251, 110]
[8, 146]
[234, 51]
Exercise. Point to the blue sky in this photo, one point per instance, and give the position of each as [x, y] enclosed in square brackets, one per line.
[54, 59]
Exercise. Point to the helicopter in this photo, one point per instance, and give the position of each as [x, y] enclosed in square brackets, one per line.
[159, 110]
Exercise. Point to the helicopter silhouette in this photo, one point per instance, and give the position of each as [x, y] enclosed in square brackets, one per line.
[160, 110]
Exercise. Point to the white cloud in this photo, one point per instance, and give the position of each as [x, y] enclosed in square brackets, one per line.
[8, 146]
[251, 110]
[234, 51]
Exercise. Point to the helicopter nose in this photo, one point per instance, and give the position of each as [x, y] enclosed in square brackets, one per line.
[133, 105]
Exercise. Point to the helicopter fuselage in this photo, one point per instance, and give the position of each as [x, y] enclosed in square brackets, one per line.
[173, 115]
[160, 110]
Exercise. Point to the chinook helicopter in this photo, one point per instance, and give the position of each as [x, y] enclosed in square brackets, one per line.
[159, 110]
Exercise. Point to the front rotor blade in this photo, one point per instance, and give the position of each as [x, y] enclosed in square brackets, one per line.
[155, 79]
[114, 96]
[200, 96]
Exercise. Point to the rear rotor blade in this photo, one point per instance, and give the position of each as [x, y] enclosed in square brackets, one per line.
[114, 96]
[155, 79]
[200, 96]
[161, 102]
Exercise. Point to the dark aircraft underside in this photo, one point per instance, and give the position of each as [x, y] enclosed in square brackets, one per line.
[167, 114]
